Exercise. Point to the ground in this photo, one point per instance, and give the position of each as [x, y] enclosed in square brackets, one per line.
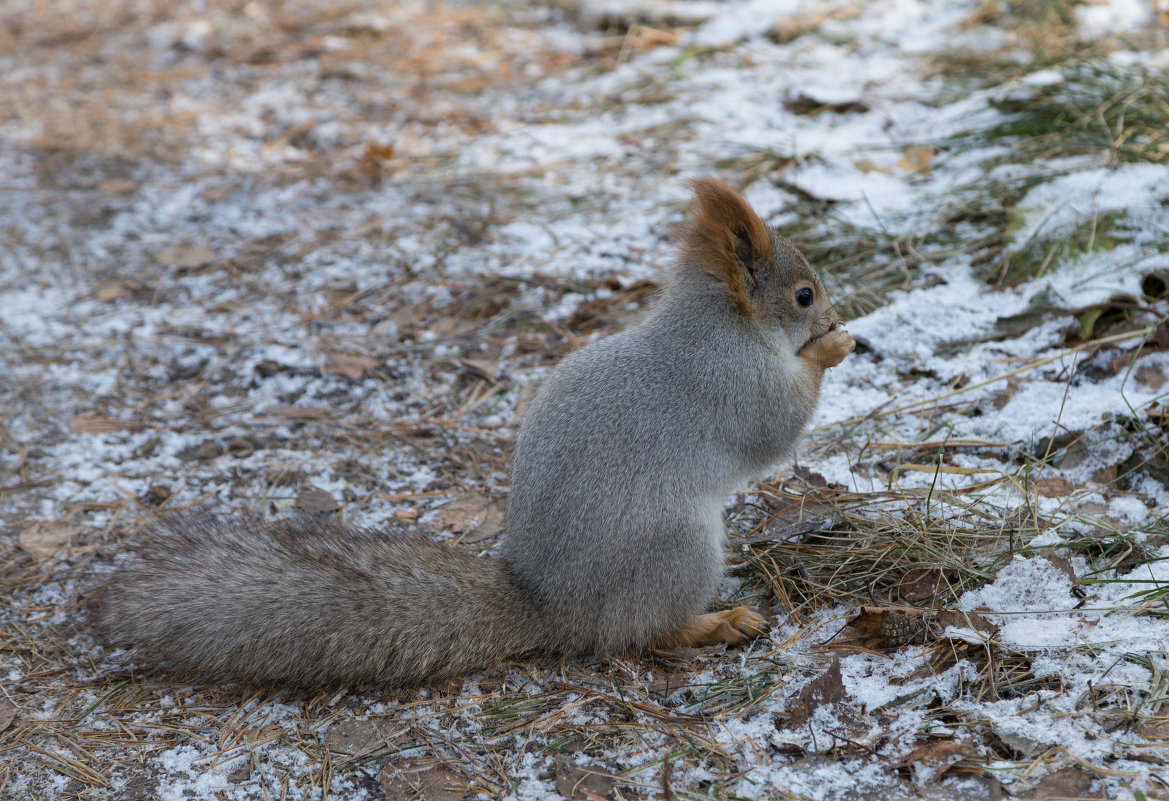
[320, 255]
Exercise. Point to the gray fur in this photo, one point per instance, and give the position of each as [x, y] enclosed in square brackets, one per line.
[629, 451]
[614, 536]
[307, 603]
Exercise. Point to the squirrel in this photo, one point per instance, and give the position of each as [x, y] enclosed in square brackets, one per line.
[614, 534]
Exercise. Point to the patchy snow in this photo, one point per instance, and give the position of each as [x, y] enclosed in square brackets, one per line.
[349, 201]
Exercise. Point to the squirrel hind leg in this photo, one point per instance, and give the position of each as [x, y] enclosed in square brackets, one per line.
[730, 626]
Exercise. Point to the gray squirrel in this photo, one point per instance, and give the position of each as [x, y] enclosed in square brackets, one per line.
[614, 535]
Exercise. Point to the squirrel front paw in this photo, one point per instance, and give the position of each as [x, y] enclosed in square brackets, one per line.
[828, 350]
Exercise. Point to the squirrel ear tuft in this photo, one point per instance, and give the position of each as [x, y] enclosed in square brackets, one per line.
[727, 239]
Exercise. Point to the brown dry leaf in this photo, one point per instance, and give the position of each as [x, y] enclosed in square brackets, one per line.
[482, 368]
[1064, 783]
[118, 186]
[242, 774]
[348, 366]
[1106, 474]
[916, 158]
[1054, 487]
[1150, 376]
[156, 495]
[431, 783]
[186, 257]
[826, 689]
[866, 166]
[407, 516]
[7, 714]
[935, 758]
[355, 737]
[94, 423]
[867, 629]
[1007, 393]
[809, 477]
[297, 413]
[315, 501]
[965, 620]
[920, 584]
[1062, 565]
[45, 538]
[471, 514]
[581, 783]
[117, 289]
[1155, 729]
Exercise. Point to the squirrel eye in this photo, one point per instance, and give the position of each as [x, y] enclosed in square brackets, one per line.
[804, 297]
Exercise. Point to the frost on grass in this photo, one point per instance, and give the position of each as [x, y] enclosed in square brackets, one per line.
[320, 257]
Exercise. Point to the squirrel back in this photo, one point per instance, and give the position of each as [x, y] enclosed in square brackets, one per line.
[614, 536]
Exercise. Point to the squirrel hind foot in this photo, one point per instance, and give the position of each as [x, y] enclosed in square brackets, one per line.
[730, 627]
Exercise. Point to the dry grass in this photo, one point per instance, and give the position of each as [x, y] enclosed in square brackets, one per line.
[105, 113]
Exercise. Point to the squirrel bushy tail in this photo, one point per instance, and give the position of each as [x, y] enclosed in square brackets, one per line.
[309, 603]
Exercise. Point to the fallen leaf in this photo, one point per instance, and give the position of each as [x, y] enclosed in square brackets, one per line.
[118, 186]
[242, 773]
[1106, 474]
[1026, 747]
[7, 714]
[825, 689]
[805, 104]
[1042, 307]
[481, 368]
[866, 166]
[95, 423]
[1150, 376]
[581, 783]
[1062, 565]
[186, 257]
[916, 158]
[867, 629]
[893, 626]
[355, 737]
[1064, 783]
[156, 495]
[920, 584]
[1155, 729]
[44, 538]
[297, 413]
[1108, 362]
[961, 619]
[430, 783]
[407, 516]
[1054, 487]
[117, 289]
[315, 501]
[203, 452]
[471, 514]
[931, 760]
[810, 477]
[348, 365]
[1004, 396]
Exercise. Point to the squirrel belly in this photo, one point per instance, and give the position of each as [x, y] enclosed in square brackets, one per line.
[614, 536]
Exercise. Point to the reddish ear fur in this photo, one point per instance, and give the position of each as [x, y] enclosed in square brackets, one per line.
[726, 238]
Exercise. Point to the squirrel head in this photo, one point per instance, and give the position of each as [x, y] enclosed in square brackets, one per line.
[769, 282]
